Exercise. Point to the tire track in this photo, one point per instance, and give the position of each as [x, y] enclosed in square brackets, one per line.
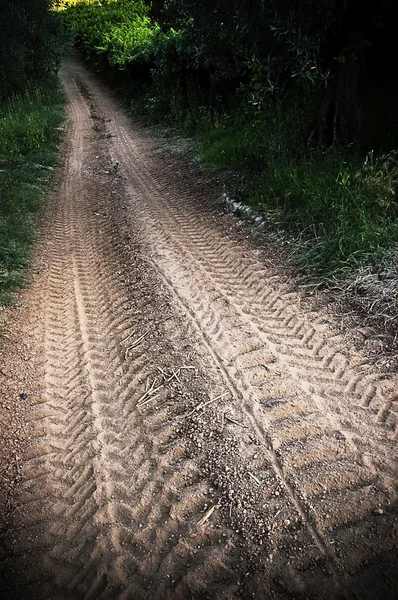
[328, 424]
[103, 477]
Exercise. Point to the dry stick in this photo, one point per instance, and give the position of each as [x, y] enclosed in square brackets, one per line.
[273, 520]
[167, 376]
[138, 340]
[235, 422]
[255, 478]
[149, 400]
[164, 320]
[203, 404]
[155, 325]
[152, 391]
[149, 392]
[135, 343]
[175, 374]
[128, 337]
[207, 515]
[214, 399]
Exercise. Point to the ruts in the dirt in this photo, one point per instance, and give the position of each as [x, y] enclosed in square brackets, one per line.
[196, 432]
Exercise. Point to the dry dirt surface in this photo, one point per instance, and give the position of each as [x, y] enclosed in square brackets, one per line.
[176, 423]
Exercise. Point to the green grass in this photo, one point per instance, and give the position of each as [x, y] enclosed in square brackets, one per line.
[30, 128]
[342, 209]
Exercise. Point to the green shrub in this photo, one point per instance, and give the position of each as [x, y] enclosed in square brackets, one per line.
[120, 32]
[344, 209]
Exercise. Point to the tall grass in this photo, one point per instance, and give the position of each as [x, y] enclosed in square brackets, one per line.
[30, 127]
[342, 208]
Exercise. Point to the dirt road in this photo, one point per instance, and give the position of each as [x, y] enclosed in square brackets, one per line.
[194, 431]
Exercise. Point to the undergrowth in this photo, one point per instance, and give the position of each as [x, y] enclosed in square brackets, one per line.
[342, 208]
[30, 128]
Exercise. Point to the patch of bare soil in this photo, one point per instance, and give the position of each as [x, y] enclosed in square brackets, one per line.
[187, 428]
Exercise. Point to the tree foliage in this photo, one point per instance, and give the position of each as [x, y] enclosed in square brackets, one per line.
[121, 32]
[31, 43]
[324, 51]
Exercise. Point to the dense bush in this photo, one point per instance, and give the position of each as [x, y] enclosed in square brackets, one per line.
[121, 31]
[32, 42]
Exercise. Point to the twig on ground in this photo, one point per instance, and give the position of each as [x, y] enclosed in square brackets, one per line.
[148, 400]
[135, 343]
[149, 392]
[207, 515]
[235, 422]
[128, 337]
[273, 520]
[255, 478]
[203, 404]
[176, 375]
[164, 320]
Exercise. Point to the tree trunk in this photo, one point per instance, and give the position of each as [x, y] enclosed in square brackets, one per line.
[338, 119]
[337, 123]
